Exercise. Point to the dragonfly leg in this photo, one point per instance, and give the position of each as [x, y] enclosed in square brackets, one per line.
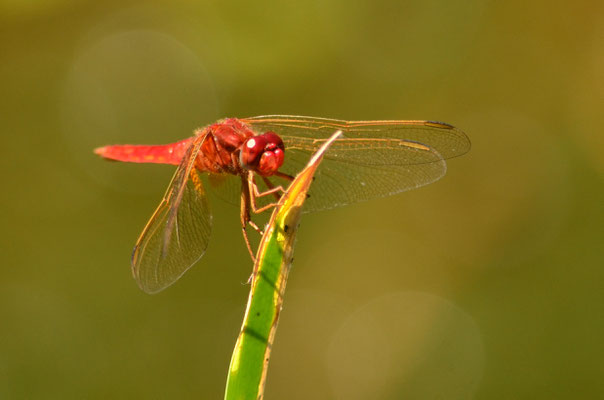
[249, 193]
[256, 228]
[255, 193]
[245, 216]
[270, 185]
[272, 188]
[247, 244]
[284, 176]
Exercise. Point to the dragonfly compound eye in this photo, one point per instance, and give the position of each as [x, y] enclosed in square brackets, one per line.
[251, 152]
[263, 153]
[273, 140]
[270, 162]
[273, 155]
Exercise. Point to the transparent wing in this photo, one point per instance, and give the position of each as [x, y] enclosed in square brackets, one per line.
[372, 159]
[177, 234]
[226, 186]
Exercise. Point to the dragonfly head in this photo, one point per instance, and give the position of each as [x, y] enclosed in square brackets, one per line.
[263, 153]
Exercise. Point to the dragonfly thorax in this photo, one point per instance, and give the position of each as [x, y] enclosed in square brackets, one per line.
[263, 154]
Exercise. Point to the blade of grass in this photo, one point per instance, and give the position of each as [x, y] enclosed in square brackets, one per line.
[249, 362]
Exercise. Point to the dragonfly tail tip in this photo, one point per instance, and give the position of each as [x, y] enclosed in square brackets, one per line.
[100, 150]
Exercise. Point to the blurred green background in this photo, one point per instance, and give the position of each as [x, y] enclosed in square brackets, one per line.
[487, 284]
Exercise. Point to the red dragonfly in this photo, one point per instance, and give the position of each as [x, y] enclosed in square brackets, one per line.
[253, 159]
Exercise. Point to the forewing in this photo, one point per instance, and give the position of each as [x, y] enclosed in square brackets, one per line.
[372, 159]
[309, 133]
[177, 234]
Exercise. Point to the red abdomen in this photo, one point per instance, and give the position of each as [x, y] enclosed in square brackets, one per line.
[159, 154]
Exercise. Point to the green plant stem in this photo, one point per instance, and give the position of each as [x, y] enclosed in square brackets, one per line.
[249, 362]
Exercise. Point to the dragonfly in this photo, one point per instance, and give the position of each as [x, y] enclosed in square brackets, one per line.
[251, 161]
